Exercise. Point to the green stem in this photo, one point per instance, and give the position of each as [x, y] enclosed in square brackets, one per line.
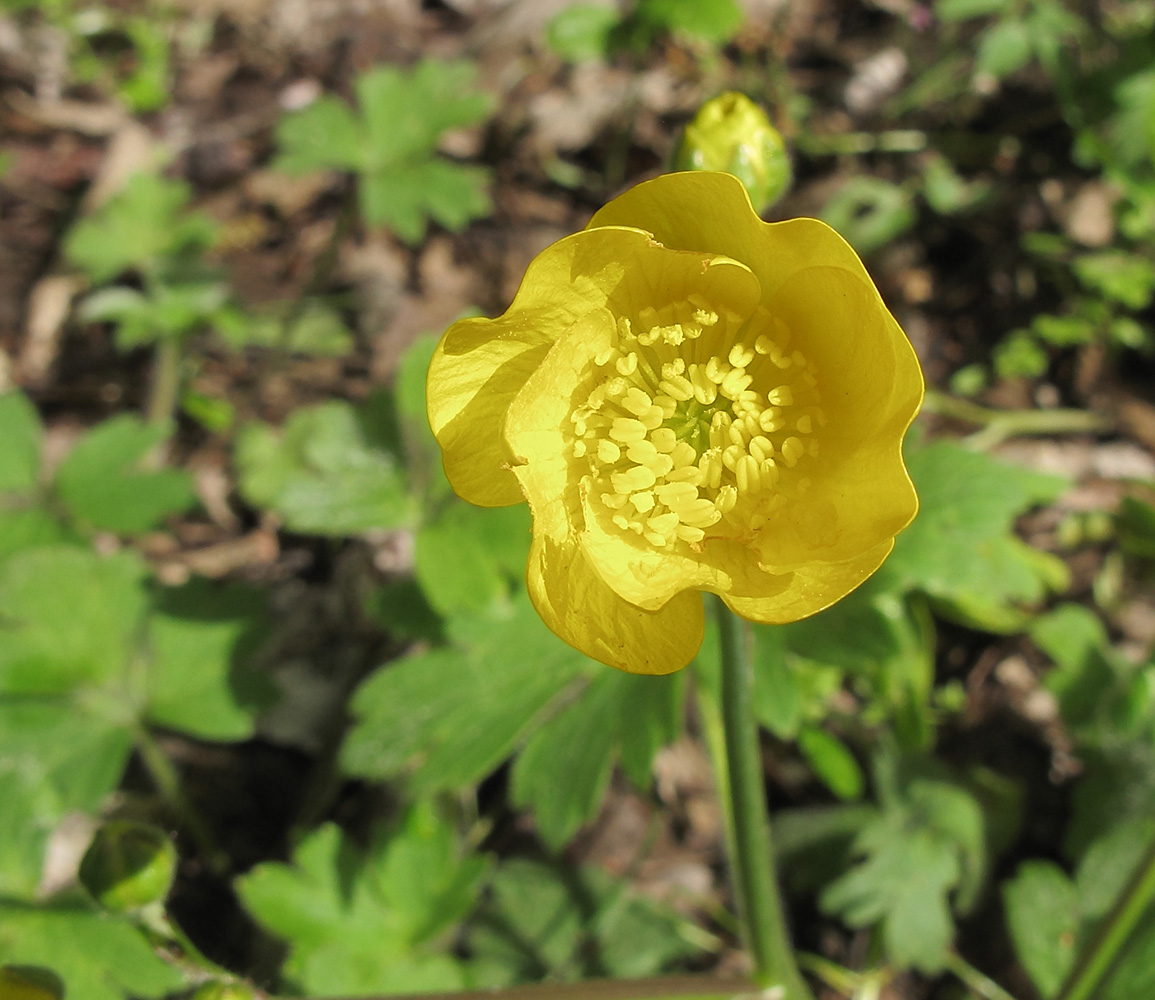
[1096, 958]
[167, 781]
[752, 857]
[165, 387]
[1001, 424]
[976, 981]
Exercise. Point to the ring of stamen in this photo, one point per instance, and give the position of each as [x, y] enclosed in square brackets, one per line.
[688, 425]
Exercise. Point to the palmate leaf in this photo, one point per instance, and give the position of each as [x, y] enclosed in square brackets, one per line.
[331, 470]
[87, 654]
[96, 957]
[391, 142]
[359, 922]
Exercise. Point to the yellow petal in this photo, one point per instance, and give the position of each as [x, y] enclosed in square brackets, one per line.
[481, 364]
[576, 603]
[871, 388]
[711, 212]
[807, 591]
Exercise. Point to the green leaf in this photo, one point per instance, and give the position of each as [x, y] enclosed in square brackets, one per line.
[565, 767]
[406, 111]
[715, 23]
[543, 922]
[423, 456]
[200, 639]
[1003, 48]
[20, 431]
[832, 761]
[138, 229]
[107, 485]
[53, 760]
[870, 212]
[361, 923]
[1083, 678]
[963, 10]
[466, 559]
[961, 544]
[920, 847]
[403, 197]
[95, 957]
[583, 31]
[70, 618]
[328, 471]
[651, 710]
[1020, 355]
[1126, 278]
[321, 136]
[449, 716]
[1043, 918]
[1134, 973]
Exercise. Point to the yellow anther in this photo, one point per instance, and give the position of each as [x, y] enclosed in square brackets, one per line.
[627, 430]
[643, 503]
[608, 452]
[641, 452]
[667, 405]
[700, 513]
[665, 440]
[792, 450]
[689, 534]
[768, 470]
[761, 447]
[726, 499]
[805, 425]
[672, 369]
[615, 387]
[674, 495]
[735, 383]
[781, 396]
[747, 476]
[741, 355]
[660, 465]
[731, 455]
[737, 434]
[686, 474]
[712, 468]
[614, 501]
[636, 401]
[683, 455]
[652, 418]
[812, 448]
[768, 420]
[664, 524]
[632, 480]
[705, 391]
[678, 387]
[605, 356]
[798, 359]
[579, 448]
[717, 370]
[627, 365]
[763, 345]
[621, 521]
[673, 334]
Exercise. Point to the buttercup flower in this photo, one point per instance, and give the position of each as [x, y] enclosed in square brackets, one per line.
[690, 399]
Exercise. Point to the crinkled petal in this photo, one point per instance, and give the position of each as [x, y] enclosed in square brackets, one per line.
[575, 602]
[711, 212]
[807, 591]
[871, 388]
[481, 364]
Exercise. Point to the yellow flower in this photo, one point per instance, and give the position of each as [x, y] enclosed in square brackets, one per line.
[690, 399]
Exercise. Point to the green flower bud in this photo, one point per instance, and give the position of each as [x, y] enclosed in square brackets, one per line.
[29, 982]
[733, 134]
[128, 865]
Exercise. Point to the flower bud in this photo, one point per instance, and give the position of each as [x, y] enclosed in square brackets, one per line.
[128, 865]
[733, 134]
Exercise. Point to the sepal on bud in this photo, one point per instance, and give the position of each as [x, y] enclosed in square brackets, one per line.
[128, 866]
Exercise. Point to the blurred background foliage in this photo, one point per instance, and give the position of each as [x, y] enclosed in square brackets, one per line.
[278, 699]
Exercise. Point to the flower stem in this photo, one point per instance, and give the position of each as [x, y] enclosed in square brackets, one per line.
[165, 388]
[1104, 948]
[1001, 424]
[752, 858]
